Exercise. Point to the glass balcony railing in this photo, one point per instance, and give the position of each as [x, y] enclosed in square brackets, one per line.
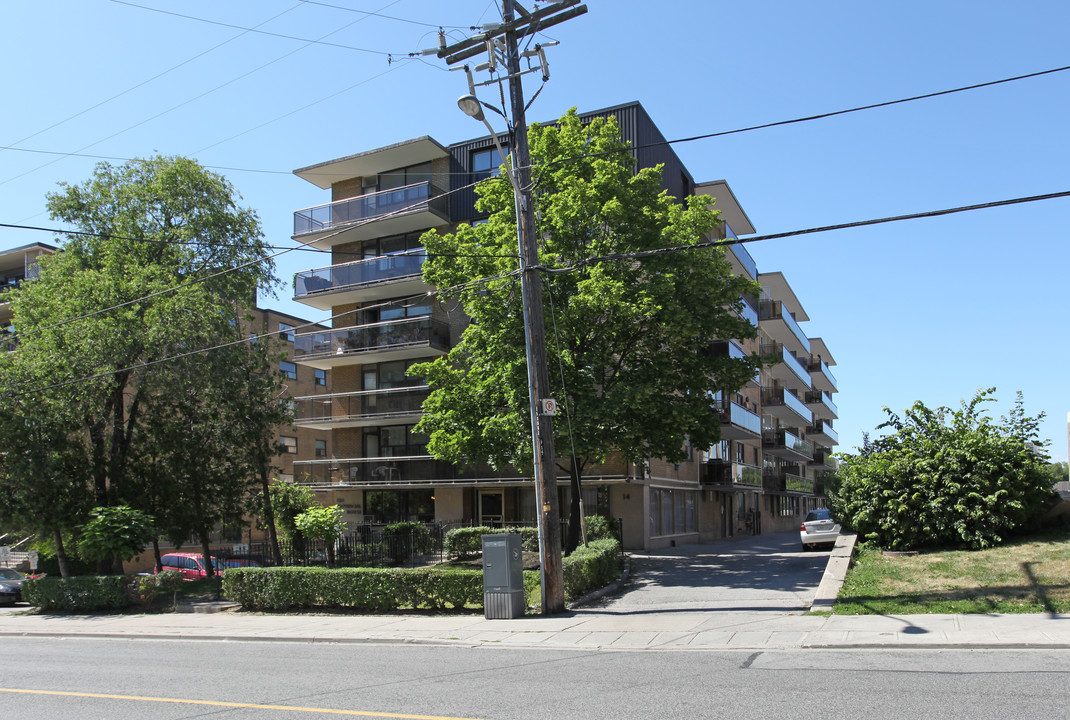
[356, 406]
[370, 338]
[818, 365]
[398, 201]
[769, 310]
[742, 255]
[782, 396]
[785, 356]
[360, 272]
[747, 310]
[775, 439]
[735, 414]
[816, 397]
[391, 471]
[719, 472]
[822, 427]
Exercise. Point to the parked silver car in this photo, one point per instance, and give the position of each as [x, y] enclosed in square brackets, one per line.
[10, 586]
[818, 529]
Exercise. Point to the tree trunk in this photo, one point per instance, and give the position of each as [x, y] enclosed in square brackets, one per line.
[61, 555]
[574, 514]
[156, 553]
[209, 570]
[269, 516]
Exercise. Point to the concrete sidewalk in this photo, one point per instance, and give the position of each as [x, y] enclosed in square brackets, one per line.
[735, 629]
[751, 594]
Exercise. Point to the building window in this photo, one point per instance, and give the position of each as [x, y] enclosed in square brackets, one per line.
[401, 177]
[288, 369]
[321, 448]
[289, 445]
[321, 377]
[486, 162]
[286, 332]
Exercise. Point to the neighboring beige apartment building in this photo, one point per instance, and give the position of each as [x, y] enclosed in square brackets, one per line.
[777, 431]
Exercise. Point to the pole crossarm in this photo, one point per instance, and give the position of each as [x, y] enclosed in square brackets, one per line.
[529, 24]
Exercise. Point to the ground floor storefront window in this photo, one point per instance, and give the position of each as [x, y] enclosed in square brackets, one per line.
[672, 512]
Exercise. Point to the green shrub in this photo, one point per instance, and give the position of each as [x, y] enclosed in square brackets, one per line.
[467, 542]
[944, 478]
[590, 567]
[78, 594]
[364, 589]
[599, 527]
[144, 589]
[405, 539]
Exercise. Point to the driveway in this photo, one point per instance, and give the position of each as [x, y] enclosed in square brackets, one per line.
[762, 574]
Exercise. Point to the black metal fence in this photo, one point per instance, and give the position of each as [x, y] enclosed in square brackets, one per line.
[368, 545]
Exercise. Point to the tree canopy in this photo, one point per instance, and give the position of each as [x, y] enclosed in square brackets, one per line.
[945, 478]
[627, 339]
[162, 263]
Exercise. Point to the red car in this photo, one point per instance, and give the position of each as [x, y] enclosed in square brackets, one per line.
[191, 565]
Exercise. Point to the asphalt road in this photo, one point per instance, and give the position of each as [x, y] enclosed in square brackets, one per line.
[125, 679]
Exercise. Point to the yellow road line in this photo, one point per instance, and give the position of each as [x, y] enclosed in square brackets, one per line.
[218, 703]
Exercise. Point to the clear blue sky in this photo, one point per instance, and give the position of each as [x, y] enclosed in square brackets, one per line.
[928, 309]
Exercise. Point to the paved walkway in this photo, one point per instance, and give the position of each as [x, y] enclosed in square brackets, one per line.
[749, 593]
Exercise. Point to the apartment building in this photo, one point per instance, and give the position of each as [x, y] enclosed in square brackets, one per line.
[776, 432]
[16, 266]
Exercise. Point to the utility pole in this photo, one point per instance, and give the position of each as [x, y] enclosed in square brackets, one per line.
[545, 466]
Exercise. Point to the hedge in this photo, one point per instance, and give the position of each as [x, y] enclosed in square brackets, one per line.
[465, 542]
[590, 567]
[364, 589]
[386, 589]
[77, 594]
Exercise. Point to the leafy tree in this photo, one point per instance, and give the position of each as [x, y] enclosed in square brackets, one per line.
[95, 328]
[44, 473]
[1058, 472]
[115, 532]
[289, 501]
[627, 339]
[322, 523]
[945, 478]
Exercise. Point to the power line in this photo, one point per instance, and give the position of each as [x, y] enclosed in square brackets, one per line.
[254, 30]
[145, 82]
[692, 138]
[575, 266]
[193, 99]
[380, 15]
[193, 281]
[809, 118]
[794, 233]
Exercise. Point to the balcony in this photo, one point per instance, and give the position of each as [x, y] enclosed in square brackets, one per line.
[820, 403]
[823, 458]
[787, 370]
[742, 257]
[405, 209]
[391, 406]
[788, 478]
[747, 310]
[719, 473]
[822, 376]
[362, 280]
[781, 326]
[729, 349]
[787, 446]
[738, 423]
[780, 403]
[379, 342]
[822, 432]
[397, 472]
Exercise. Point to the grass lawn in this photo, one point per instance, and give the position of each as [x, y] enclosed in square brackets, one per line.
[1029, 575]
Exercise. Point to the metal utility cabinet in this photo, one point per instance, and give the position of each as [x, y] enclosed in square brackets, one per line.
[503, 576]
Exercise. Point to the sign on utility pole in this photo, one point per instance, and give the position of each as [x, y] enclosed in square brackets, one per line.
[545, 469]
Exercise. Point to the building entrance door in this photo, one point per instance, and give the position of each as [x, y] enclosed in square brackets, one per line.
[491, 508]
